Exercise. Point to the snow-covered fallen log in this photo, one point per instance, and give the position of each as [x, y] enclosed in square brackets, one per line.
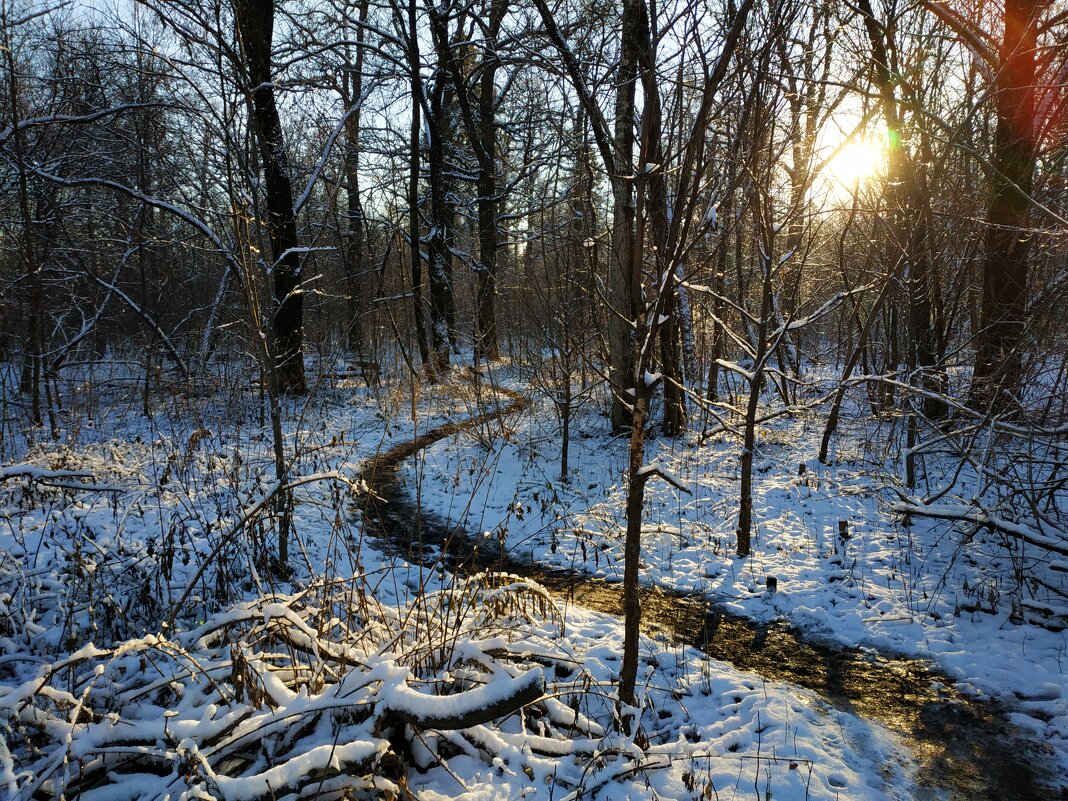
[61, 479]
[464, 710]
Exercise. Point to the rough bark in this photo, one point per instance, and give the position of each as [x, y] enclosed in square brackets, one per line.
[255, 28]
[1008, 240]
[442, 225]
[623, 293]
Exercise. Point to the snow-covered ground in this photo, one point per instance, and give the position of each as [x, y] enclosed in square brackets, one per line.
[88, 568]
[927, 588]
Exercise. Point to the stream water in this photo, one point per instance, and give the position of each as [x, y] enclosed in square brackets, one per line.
[966, 749]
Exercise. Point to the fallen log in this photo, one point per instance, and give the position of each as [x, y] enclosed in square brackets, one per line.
[61, 479]
[470, 708]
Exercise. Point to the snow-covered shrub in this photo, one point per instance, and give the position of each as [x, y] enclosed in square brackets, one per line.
[315, 694]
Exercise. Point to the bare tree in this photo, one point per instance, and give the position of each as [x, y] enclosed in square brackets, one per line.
[255, 29]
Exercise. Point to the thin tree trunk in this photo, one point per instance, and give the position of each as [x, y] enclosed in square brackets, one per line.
[847, 371]
[413, 188]
[353, 252]
[745, 484]
[32, 358]
[487, 346]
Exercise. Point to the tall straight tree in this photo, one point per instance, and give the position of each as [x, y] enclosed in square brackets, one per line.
[406, 20]
[355, 244]
[909, 227]
[1014, 69]
[255, 31]
[439, 131]
[1008, 240]
[622, 291]
[488, 238]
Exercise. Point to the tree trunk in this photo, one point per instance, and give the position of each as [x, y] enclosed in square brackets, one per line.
[756, 381]
[442, 223]
[628, 671]
[413, 188]
[909, 225]
[1008, 241]
[255, 27]
[487, 346]
[623, 295]
[353, 251]
[718, 306]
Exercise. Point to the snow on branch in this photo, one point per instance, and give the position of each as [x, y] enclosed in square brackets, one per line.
[826, 308]
[247, 515]
[979, 516]
[269, 699]
[76, 119]
[63, 479]
[325, 155]
[645, 472]
[191, 219]
[466, 709]
[148, 319]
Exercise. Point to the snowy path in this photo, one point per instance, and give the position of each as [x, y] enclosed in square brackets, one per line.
[966, 749]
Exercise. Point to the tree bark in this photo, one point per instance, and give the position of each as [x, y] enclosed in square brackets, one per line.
[486, 344]
[413, 187]
[756, 381]
[354, 248]
[442, 223]
[623, 295]
[1008, 240]
[255, 28]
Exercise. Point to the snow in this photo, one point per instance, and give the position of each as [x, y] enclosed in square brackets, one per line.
[287, 775]
[898, 588]
[356, 633]
[402, 698]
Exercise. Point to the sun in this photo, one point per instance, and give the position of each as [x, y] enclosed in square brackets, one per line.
[855, 163]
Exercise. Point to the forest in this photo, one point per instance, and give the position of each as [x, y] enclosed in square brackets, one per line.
[534, 399]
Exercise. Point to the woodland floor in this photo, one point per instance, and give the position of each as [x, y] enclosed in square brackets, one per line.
[104, 563]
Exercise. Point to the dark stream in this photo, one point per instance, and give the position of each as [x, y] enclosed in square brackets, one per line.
[966, 749]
